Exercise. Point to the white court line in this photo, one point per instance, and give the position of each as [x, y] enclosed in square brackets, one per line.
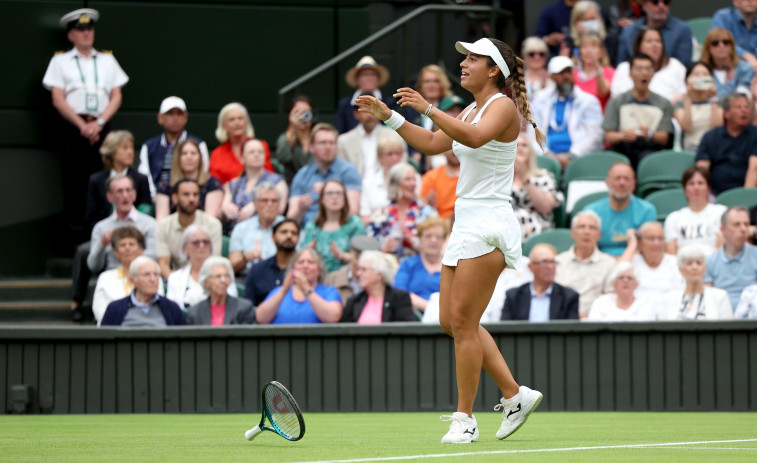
[502, 452]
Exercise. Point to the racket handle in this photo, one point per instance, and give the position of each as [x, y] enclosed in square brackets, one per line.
[250, 434]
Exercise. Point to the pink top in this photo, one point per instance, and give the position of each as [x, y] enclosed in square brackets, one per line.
[371, 314]
[217, 314]
[590, 85]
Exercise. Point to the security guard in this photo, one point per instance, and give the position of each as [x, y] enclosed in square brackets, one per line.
[86, 90]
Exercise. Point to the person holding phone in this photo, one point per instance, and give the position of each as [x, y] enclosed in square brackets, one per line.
[732, 74]
[698, 111]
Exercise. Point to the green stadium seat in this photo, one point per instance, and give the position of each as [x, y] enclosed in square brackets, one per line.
[277, 166]
[662, 170]
[552, 165]
[225, 246]
[148, 209]
[592, 166]
[746, 197]
[699, 28]
[559, 238]
[667, 201]
[585, 201]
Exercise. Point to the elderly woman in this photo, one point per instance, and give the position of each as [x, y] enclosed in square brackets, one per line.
[396, 223]
[184, 287]
[237, 200]
[534, 192]
[117, 153]
[302, 298]
[698, 111]
[234, 128]
[622, 305]
[593, 74]
[378, 302]
[535, 53]
[390, 151]
[420, 274]
[699, 222]
[670, 74]
[696, 301]
[732, 74]
[216, 276]
[293, 146]
[333, 228]
[187, 163]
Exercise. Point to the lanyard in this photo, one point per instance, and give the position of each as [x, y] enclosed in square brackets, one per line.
[81, 74]
[566, 113]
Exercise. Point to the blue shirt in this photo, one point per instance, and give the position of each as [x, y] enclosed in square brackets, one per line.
[616, 223]
[303, 181]
[728, 156]
[730, 18]
[261, 279]
[294, 312]
[742, 77]
[558, 141]
[732, 274]
[246, 235]
[539, 305]
[413, 277]
[145, 307]
[676, 36]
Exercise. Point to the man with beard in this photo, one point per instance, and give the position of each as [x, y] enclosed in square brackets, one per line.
[439, 185]
[573, 118]
[621, 212]
[171, 229]
[676, 34]
[269, 273]
[251, 239]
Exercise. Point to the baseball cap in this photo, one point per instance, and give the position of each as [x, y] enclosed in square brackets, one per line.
[172, 102]
[450, 101]
[558, 64]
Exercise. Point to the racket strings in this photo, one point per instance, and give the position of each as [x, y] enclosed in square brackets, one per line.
[282, 412]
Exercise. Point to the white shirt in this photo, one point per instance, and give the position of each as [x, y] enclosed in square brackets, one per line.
[712, 304]
[747, 307]
[63, 72]
[186, 292]
[668, 82]
[605, 309]
[368, 143]
[688, 227]
[653, 282]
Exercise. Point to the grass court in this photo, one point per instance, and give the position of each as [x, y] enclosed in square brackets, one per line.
[368, 437]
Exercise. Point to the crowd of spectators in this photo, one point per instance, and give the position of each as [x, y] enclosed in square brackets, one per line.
[347, 223]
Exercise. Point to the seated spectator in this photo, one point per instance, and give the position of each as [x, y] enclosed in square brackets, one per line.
[333, 228]
[638, 121]
[621, 211]
[171, 229]
[535, 54]
[187, 163]
[696, 301]
[156, 155]
[543, 299]
[117, 153]
[302, 298]
[390, 151]
[747, 307]
[269, 273]
[734, 266]
[234, 129]
[434, 86]
[629, 11]
[739, 20]
[452, 105]
[377, 302]
[584, 267]
[622, 305]
[553, 26]
[358, 146]
[727, 152]
[593, 74]
[128, 244]
[184, 285]
[307, 183]
[573, 117]
[420, 274]
[238, 203]
[534, 192]
[366, 77]
[395, 225]
[732, 74]
[345, 279]
[669, 74]
[144, 306]
[293, 146]
[676, 34]
[251, 240]
[586, 19]
[440, 184]
[699, 222]
[656, 271]
[698, 111]
[220, 308]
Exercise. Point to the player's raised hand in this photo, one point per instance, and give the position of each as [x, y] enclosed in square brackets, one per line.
[408, 97]
[374, 107]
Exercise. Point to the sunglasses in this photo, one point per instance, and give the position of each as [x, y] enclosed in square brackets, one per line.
[655, 2]
[531, 54]
[726, 42]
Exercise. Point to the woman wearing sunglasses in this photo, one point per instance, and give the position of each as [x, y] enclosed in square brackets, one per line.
[732, 74]
[535, 54]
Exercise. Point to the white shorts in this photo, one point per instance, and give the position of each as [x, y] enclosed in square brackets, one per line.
[482, 225]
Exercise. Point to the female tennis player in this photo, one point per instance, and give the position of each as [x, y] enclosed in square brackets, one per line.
[486, 236]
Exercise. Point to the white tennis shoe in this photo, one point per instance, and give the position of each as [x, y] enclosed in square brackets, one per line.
[515, 410]
[462, 429]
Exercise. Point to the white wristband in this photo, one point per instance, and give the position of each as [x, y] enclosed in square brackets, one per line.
[395, 121]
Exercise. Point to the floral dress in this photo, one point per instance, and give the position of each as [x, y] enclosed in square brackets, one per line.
[531, 221]
[385, 223]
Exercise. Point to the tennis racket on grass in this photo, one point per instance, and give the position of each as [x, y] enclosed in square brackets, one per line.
[282, 412]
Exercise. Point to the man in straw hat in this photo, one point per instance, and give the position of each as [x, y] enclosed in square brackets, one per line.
[366, 77]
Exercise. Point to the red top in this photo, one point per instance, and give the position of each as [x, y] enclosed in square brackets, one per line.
[225, 166]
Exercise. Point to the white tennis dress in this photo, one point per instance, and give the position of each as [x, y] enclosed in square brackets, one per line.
[484, 218]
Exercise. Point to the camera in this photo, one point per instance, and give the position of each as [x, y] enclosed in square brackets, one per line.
[701, 83]
[306, 116]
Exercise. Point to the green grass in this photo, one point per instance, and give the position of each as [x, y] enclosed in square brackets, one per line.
[220, 438]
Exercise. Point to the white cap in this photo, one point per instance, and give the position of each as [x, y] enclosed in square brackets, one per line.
[484, 47]
[558, 64]
[80, 16]
[172, 102]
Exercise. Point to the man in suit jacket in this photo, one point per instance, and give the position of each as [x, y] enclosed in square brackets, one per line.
[358, 146]
[543, 299]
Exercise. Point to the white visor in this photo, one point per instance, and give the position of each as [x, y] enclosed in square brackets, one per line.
[484, 47]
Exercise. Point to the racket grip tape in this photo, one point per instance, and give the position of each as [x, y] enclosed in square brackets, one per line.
[250, 434]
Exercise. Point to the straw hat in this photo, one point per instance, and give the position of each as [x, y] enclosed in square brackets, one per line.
[366, 62]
